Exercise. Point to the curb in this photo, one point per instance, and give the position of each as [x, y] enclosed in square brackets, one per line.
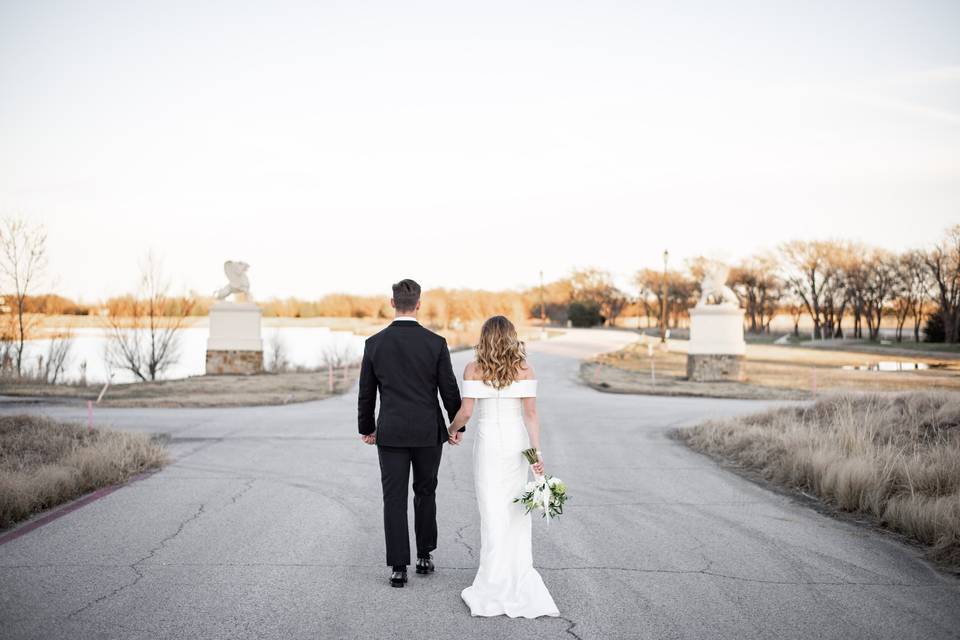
[70, 507]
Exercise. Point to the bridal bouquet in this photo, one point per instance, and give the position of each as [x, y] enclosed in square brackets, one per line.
[545, 494]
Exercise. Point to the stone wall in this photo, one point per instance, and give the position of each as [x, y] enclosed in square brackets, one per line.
[713, 367]
[234, 361]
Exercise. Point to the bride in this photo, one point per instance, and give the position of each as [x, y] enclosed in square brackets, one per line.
[501, 385]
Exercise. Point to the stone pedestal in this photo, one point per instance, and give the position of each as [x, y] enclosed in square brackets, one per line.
[713, 367]
[235, 344]
[716, 348]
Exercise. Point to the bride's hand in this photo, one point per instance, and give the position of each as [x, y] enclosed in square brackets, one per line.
[538, 468]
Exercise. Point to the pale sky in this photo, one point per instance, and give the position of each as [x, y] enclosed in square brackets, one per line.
[342, 146]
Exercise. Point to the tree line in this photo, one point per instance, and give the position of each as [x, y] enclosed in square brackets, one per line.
[829, 282]
[844, 288]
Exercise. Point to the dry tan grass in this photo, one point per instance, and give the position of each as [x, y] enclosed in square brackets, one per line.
[201, 391]
[772, 371]
[892, 457]
[44, 462]
[613, 379]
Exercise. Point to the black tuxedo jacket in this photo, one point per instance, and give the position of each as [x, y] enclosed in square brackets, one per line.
[408, 364]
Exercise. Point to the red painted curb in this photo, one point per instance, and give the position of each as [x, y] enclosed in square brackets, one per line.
[73, 506]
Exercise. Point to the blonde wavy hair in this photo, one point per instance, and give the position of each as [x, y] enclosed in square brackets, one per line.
[500, 353]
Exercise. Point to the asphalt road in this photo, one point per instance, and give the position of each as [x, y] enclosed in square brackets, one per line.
[268, 525]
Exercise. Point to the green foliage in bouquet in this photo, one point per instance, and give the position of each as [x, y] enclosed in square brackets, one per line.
[545, 494]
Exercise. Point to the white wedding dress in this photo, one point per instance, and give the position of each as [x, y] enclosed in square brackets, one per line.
[506, 582]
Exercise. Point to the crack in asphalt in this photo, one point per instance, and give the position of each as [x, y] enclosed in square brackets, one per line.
[455, 480]
[716, 574]
[205, 442]
[247, 485]
[324, 492]
[298, 481]
[110, 594]
[135, 566]
[569, 628]
[462, 541]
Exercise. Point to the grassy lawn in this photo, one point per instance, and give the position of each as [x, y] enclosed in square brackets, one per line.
[893, 458]
[44, 462]
[199, 391]
[772, 372]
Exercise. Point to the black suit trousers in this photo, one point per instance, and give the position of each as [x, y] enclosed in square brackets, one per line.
[395, 464]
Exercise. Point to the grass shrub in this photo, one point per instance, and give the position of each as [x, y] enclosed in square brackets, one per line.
[45, 462]
[892, 457]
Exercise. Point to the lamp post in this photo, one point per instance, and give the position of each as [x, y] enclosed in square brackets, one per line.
[663, 300]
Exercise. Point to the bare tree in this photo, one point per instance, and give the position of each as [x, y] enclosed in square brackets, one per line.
[7, 339]
[23, 261]
[912, 291]
[596, 285]
[58, 355]
[144, 332]
[338, 354]
[278, 352]
[649, 303]
[756, 282]
[881, 267]
[793, 305]
[681, 292]
[857, 279]
[615, 301]
[943, 265]
[649, 281]
[811, 275]
[840, 256]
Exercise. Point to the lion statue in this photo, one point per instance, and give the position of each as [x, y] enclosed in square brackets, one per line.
[714, 289]
[237, 281]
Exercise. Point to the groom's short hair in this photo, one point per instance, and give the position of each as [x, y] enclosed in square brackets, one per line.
[406, 295]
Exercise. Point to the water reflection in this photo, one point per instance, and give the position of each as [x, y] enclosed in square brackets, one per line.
[887, 365]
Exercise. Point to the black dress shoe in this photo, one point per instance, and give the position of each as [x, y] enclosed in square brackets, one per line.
[398, 578]
[425, 565]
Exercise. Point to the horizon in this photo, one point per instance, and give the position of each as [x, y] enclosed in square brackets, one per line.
[354, 146]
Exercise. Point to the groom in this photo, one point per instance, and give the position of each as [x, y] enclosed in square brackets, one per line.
[408, 364]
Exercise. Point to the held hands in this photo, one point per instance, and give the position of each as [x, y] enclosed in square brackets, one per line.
[455, 437]
[370, 439]
[538, 465]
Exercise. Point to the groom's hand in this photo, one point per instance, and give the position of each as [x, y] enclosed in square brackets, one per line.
[456, 438]
[370, 439]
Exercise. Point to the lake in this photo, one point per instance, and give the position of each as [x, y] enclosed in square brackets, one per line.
[302, 346]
